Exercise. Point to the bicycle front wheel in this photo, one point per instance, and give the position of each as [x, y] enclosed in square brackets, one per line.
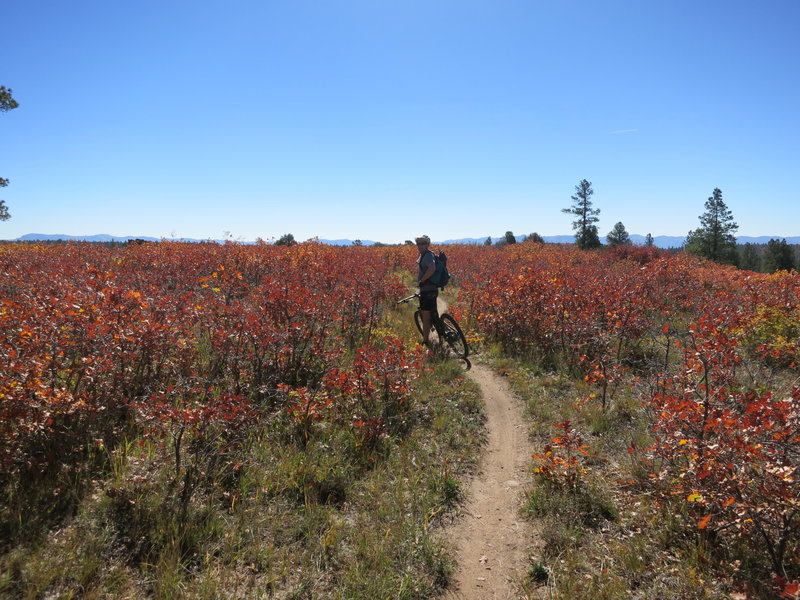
[418, 321]
[454, 336]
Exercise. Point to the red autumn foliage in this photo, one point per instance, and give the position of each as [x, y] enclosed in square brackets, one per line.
[187, 339]
[199, 340]
[563, 459]
[710, 347]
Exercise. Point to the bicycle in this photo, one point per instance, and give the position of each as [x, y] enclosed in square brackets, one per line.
[447, 329]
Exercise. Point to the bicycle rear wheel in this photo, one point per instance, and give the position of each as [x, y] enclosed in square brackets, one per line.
[454, 336]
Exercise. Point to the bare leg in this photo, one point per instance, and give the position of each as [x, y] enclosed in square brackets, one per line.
[426, 325]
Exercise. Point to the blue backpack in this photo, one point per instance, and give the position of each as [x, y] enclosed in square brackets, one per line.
[441, 276]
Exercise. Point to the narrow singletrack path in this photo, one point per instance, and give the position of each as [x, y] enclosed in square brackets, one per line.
[494, 544]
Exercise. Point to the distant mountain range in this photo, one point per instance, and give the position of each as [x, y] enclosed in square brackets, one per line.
[100, 237]
[661, 241]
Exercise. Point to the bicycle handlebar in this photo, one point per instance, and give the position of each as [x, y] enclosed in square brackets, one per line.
[404, 300]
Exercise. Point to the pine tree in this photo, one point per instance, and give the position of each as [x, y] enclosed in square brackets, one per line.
[586, 236]
[287, 239]
[509, 238]
[714, 238]
[749, 259]
[618, 236]
[649, 241]
[535, 238]
[778, 256]
[7, 103]
[4, 214]
[488, 241]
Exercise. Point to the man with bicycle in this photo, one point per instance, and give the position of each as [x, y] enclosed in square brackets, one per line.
[428, 291]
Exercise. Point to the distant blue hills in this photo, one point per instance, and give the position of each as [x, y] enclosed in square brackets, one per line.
[661, 241]
[100, 237]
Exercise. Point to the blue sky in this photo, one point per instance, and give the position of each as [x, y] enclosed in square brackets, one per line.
[380, 120]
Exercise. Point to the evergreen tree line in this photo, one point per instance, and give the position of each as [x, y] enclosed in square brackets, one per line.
[714, 239]
[776, 255]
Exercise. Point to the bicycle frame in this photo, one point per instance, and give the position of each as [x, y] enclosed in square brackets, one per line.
[446, 328]
[436, 318]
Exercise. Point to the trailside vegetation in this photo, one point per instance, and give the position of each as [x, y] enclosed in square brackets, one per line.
[206, 420]
[665, 397]
[201, 420]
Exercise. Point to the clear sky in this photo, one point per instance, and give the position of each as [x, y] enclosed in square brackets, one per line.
[383, 119]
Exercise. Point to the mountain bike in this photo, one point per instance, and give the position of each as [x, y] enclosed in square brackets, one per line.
[447, 330]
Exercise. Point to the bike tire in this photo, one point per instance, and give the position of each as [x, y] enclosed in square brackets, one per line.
[418, 321]
[454, 336]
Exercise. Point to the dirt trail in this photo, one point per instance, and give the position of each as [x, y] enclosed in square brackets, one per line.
[493, 543]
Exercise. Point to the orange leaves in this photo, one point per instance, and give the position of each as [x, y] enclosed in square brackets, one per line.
[556, 302]
[725, 444]
[562, 462]
[703, 472]
[305, 405]
[186, 334]
[789, 590]
[712, 354]
[206, 339]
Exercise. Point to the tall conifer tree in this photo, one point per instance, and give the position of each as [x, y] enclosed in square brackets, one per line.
[714, 238]
[586, 236]
[618, 236]
[7, 103]
[778, 256]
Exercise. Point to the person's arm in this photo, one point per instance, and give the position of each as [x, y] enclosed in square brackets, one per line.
[428, 273]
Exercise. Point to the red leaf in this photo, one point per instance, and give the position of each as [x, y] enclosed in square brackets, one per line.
[791, 590]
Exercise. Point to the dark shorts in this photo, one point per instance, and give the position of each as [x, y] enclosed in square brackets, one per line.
[427, 300]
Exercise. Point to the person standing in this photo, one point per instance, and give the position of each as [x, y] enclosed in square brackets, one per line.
[428, 291]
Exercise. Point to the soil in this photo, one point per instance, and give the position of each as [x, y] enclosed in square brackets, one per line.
[494, 543]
